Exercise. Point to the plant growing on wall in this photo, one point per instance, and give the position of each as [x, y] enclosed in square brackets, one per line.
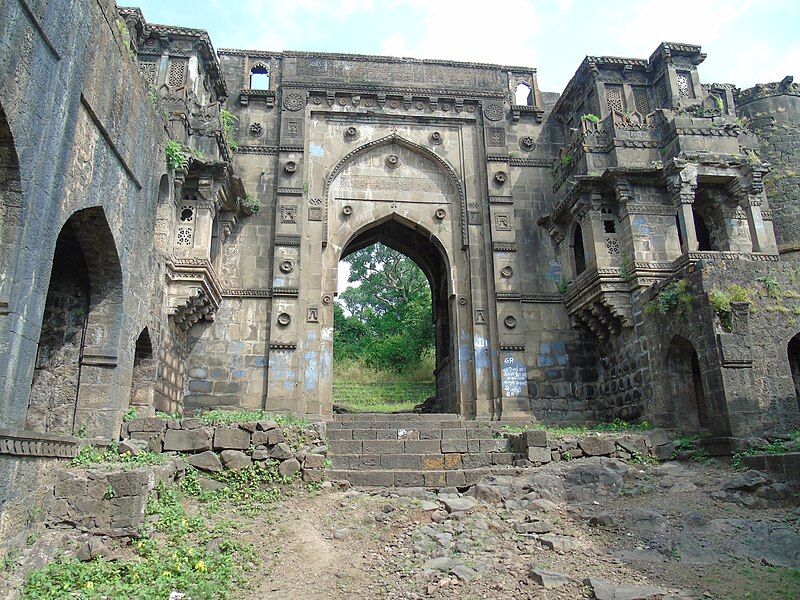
[676, 297]
[721, 300]
[228, 119]
[175, 155]
[563, 286]
[252, 203]
[591, 117]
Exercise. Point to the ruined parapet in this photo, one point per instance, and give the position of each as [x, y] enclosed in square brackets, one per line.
[772, 111]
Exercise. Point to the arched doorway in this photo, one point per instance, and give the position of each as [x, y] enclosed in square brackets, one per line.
[423, 249]
[578, 251]
[793, 350]
[143, 377]
[685, 383]
[10, 209]
[72, 387]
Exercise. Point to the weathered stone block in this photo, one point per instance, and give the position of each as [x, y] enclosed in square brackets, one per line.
[596, 446]
[231, 438]
[149, 424]
[205, 461]
[194, 440]
[289, 467]
[539, 455]
[268, 437]
[235, 460]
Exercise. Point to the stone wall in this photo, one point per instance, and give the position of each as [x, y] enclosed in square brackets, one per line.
[73, 63]
[773, 113]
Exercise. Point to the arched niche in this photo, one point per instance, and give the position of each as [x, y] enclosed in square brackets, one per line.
[74, 376]
[686, 388]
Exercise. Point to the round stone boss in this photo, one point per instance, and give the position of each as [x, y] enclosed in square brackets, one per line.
[493, 111]
[284, 319]
[294, 101]
[286, 266]
[510, 322]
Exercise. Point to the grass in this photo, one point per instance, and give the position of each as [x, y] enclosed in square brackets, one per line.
[90, 456]
[176, 553]
[775, 447]
[358, 387]
[617, 425]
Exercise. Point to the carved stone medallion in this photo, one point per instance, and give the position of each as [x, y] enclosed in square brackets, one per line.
[393, 161]
[293, 101]
[506, 272]
[493, 111]
[286, 266]
[510, 322]
[347, 210]
[435, 138]
[526, 143]
[290, 166]
[284, 319]
[500, 177]
[440, 214]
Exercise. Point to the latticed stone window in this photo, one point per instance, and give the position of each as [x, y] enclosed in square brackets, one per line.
[614, 98]
[177, 73]
[641, 98]
[612, 243]
[662, 93]
[148, 68]
[185, 235]
[685, 85]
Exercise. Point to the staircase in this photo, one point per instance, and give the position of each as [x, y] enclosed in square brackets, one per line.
[414, 450]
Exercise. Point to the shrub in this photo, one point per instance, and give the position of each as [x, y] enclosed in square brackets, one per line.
[176, 157]
[675, 297]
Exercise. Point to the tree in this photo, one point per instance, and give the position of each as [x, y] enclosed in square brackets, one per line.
[390, 315]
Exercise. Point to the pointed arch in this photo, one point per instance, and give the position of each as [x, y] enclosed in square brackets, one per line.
[11, 202]
[74, 373]
[687, 388]
[447, 170]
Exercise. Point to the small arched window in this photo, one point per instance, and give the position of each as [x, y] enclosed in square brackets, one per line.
[259, 78]
[523, 95]
[793, 350]
[578, 252]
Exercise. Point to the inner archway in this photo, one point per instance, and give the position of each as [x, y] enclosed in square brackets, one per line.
[686, 386]
[793, 350]
[416, 316]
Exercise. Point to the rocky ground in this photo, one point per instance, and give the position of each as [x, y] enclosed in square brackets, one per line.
[565, 531]
[591, 528]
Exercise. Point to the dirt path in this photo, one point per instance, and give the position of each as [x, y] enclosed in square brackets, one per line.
[310, 551]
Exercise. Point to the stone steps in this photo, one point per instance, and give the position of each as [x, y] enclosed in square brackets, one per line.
[415, 450]
[415, 478]
[400, 433]
[425, 462]
[448, 446]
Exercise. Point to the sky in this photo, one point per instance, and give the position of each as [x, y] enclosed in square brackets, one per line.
[747, 41]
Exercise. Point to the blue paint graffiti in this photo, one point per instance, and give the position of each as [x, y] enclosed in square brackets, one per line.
[554, 271]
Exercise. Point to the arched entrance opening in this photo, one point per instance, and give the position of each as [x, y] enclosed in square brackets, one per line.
[685, 383]
[10, 209]
[144, 376]
[73, 377]
[793, 350]
[416, 244]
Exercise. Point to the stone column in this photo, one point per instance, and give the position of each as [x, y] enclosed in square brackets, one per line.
[755, 221]
[595, 235]
[682, 189]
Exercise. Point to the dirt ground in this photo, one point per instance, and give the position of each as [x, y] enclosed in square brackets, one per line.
[683, 530]
[379, 544]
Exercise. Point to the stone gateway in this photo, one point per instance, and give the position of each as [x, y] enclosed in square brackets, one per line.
[173, 218]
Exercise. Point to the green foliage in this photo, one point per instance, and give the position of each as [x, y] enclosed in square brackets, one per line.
[92, 455]
[252, 202]
[771, 286]
[385, 320]
[185, 561]
[721, 300]
[675, 297]
[228, 120]
[567, 160]
[774, 447]
[563, 286]
[382, 397]
[625, 271]
[130, 414]
[591, 117]
[249, 489]
[228, 417]
[615, 425]
[176, 156]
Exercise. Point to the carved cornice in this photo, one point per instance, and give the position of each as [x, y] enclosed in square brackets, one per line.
[290, 191]
[542, 298]
[646, 208]
[544, 163]
[246, 293]
[508, 296]
[282, 346]
[501, 199]
[287, 239]
[512, 347]
[504, 246]
[269, 150]
[785, 87]
[21, 442]
[286, 291]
